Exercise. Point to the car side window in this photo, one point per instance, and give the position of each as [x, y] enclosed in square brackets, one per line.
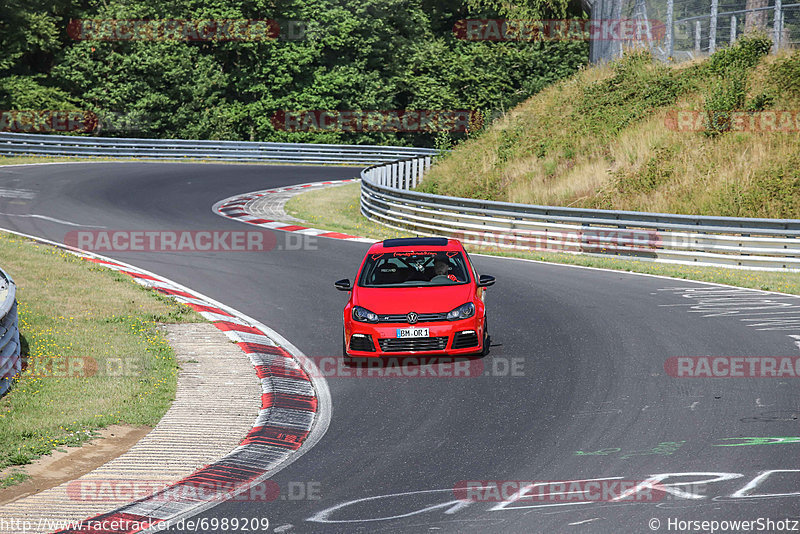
[472, 266]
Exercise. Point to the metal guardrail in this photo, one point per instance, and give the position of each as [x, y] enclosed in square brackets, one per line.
[10, 361]
[748, 243]
[16, 144]
[386, 197]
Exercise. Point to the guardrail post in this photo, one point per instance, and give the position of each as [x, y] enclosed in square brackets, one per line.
[401, 171]
[395, 169]
[414, 172]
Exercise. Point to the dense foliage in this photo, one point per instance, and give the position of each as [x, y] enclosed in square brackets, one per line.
[330, 55]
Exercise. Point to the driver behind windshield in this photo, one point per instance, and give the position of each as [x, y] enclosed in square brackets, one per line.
[440, 268]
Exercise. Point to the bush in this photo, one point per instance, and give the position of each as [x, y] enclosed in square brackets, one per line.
[732, 67]
[785, 73]
[743, 54]
[637, 87]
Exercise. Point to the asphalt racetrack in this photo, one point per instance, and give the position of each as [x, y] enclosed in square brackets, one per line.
[575, 387]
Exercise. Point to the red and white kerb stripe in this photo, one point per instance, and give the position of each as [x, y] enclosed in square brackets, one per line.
[234, 208]
[288, 408]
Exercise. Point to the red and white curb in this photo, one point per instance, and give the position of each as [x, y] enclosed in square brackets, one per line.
[234, 208]
[295, 411]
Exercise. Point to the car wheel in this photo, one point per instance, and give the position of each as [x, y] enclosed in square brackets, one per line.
[487, 339]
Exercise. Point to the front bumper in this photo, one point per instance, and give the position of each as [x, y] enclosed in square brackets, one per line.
[445, 338]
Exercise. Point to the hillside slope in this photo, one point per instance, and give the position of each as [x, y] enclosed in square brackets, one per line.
[611, 137]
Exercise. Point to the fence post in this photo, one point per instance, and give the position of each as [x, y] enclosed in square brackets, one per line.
[712, 29]
[697, 36]
[776, 30]
[670, 30]
[616, 16]
[733, 29]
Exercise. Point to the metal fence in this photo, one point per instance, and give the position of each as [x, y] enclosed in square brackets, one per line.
[679, 30]
[761, 244]
[16, 144]
[10, 361]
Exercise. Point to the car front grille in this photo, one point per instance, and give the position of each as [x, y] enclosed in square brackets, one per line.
[362, 342]
[413, 344]
[403, 318]
[462, 340]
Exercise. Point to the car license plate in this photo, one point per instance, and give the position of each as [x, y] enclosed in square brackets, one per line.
[412, 332]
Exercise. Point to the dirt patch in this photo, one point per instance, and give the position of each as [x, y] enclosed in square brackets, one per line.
[59, 467]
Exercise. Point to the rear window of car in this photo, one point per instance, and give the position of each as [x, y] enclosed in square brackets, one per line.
[418, 268]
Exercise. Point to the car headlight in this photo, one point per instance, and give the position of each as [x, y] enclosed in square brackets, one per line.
[363, 315]
[462, 312]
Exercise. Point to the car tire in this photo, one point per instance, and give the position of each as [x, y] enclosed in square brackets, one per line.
[487, 339]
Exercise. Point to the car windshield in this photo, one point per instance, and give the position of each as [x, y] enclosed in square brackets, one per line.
[403, 269]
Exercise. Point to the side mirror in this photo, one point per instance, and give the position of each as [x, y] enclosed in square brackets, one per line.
[343, 285]
[486, 280]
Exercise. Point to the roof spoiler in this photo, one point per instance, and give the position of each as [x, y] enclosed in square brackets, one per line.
[416, 241]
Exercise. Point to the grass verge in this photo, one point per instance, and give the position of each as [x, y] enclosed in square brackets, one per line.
[94, 353]
[336, 208]
[13, 479]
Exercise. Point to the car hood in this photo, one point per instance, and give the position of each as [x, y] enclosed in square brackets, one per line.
[397, 300]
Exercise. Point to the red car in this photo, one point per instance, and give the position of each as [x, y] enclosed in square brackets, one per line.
[419, 296]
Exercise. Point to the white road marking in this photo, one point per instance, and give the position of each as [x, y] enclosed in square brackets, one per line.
[51, 219]
[17, 193]
[583, 522]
